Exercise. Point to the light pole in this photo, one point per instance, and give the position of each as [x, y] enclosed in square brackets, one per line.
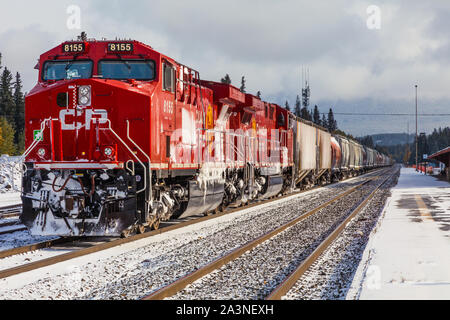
[417, 169]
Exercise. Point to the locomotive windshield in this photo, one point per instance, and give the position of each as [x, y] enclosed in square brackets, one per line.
[60, 70]
[127, 69]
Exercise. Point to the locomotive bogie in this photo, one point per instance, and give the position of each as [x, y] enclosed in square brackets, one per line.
[78, 202]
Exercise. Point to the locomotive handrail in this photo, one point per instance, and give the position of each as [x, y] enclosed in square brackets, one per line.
[150, 200]
[224, 133]
[36, 141]
[196, 76]
[27, 152]
[189, 83]
[271, 142]
[128, 148]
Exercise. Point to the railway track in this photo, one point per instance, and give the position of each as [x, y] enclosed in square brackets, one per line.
[175, 288]
[9, 223]
[10, 211]
[81, 247]
[7, 228]
[289, 282]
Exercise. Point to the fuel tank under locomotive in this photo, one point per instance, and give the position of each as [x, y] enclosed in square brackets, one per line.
[205, 196]
[79, 202]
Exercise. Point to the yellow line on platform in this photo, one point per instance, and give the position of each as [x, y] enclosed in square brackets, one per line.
[424, 212]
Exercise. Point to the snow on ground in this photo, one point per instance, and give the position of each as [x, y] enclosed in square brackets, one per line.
[10, 173]
[10, 198]
[19, 239]
[109, 267]
[128, 257]
[408, 255]
[10, 179]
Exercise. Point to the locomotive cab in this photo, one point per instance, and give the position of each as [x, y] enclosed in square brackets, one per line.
[89, 106]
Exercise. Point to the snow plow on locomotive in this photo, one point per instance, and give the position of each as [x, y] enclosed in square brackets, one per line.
[120, 137]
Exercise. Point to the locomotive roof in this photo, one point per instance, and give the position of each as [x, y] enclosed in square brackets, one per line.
[92, 41]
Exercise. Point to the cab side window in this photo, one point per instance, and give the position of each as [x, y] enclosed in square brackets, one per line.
[246, 118]
[280, 120]
[168, 78]
[272, 113]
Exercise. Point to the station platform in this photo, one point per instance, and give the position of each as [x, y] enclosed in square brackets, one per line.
[408, 253]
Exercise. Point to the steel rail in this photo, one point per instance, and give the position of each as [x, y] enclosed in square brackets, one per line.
[289, 282]
[10, 223]
[34, 246]
[10, 211]
[50, 243]
[184, 281]
[107, 245]
[9, 215]
[11, 206]
[2, 232]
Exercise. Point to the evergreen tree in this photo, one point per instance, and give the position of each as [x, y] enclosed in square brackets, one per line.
[324, 122]
[298, 105]
[7, 107]
[19, 105]
[12, 109]
[258, 94]
[316, 115]
[0, 86]
[288, 108]
[226, 79]
[342, 133]
[305, 114]
[366, 141]
[21, 143]
[7, 145]
[242, 88]
[332, 124]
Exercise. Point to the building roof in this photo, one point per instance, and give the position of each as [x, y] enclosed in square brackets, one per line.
[442, 155]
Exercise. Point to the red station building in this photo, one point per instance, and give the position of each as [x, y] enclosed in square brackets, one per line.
[444, 157]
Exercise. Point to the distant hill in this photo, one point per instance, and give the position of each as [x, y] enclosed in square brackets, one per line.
[392, 139]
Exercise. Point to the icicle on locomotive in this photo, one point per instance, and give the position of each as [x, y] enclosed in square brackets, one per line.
[120, 137]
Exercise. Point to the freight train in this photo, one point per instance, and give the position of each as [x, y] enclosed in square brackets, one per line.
[121, 137]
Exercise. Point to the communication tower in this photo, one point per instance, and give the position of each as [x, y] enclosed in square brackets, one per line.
[305, 87]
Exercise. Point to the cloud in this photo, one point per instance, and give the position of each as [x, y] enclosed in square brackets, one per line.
[267, 41]
[21, 48]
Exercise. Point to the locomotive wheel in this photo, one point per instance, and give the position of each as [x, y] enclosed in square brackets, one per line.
[125, 233]
[155, 225]
[140, 229]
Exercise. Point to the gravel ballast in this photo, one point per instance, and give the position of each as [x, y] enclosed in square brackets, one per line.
[143, 270]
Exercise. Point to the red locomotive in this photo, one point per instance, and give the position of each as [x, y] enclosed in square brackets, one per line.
[120, 137]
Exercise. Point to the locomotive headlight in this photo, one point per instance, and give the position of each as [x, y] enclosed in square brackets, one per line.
[41, 152]
[108, 151]
[84, 95]
[84, 100]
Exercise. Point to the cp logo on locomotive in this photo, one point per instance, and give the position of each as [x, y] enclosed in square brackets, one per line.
[99, 115]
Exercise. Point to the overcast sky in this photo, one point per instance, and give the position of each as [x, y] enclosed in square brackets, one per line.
[353, 68]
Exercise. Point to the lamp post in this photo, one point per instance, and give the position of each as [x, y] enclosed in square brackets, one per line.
[417, 169]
